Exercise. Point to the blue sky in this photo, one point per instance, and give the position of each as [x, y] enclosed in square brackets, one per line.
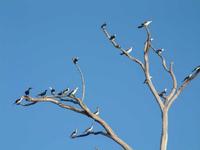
[38, 38]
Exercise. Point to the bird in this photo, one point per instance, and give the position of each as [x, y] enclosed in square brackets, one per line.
[27, 92]
[103, 26]
[73, 92]
[65, 91]
[197, 69]
[18, 101]
[159, 51]
[43, 93]
[161, 94]
[187, 77]
[112, 37]
[88, 130]
[75, 60]
[127, 51]
[97, 111]
[74, 133]
[60, 93]
[53, 91]
[145, 81]
[144, 24]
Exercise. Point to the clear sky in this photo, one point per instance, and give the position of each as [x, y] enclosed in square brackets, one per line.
[38, 38]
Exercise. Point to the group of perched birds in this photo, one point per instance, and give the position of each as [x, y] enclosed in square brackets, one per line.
[129, 50]
[65, 92]
[87, 131]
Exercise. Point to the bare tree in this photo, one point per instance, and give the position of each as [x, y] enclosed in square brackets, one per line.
[68, 100]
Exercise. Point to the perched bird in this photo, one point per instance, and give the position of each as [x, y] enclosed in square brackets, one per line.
[127, 51]
[74, 133]
[43, 93]
[88, 130]
[60, 93]
[75, 60]
[53, 91]
[161, 94]
[145, 81]
[18, 101]
[64, 92]
[97, 111]
[187, 77]
[144, 24]
[103, 26]
[159, 51]
[112, 37]
[73, 92]
[197, 69]
[27, 92]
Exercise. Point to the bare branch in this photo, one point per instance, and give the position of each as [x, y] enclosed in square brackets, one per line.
[52, 100]
[180, 89]
[147, 72]
[113, 42]
[82, 79]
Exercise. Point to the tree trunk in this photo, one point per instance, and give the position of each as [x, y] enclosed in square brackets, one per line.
[164, 138]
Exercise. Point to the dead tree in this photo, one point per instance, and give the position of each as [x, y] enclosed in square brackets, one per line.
[67, 98]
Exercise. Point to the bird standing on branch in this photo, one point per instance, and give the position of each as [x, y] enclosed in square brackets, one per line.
[103, 26]
[197, 69]
[112, 37]
[27, 92]
[53, 91]
[127, 51]
[97, 111]
[144, 24]
[73, 92]
[43, 93]
[65, 91]
[74, 133]
[75, 60]
[159, 51]
[161, 94]
[88, 130]
[18, 101]
[187, 78]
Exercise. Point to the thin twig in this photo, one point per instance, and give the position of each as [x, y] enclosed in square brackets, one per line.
[82, 79]
[92, 133]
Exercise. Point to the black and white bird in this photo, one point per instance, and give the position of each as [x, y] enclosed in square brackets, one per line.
[187, 77]
[43, 93]
[159, 51]
[112, 37]
[161, 94]
[18, 101]
[74, 133]
[127, 51]
[103, 26]
[144, 24]
[197, 69]
[52, 90]
[27, 92]
[65, 91]
[88, 130]
[145, 81]
[75, 60]
[97, 111]
[73, 92]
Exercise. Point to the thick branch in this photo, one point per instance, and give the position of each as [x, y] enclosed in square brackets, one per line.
[147, 72]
